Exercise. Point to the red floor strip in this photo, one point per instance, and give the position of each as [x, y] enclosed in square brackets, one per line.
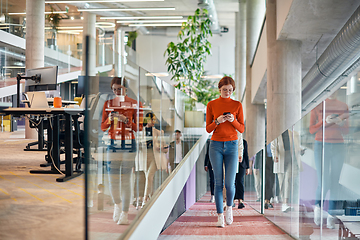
[201, 218]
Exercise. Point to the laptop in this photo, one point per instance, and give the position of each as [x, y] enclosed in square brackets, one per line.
[37, 100]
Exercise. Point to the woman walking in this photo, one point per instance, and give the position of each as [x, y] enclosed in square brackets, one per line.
[223, 117]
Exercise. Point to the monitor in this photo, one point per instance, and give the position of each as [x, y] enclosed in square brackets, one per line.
[46, 79]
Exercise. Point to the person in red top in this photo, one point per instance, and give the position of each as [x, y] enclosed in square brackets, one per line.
[120, 118]
[224, 117]
[329, 128]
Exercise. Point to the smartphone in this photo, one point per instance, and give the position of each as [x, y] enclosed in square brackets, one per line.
[226, 113]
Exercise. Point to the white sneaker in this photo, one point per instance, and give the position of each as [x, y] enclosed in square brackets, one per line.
[276, 199]
[212, 199]
[330, 223]
[117, 212]
[220, 222]
[123, 220]
[229, 215]
[317, 214]
[285, 207]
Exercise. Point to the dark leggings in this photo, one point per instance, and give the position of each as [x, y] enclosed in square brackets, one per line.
[239, 184]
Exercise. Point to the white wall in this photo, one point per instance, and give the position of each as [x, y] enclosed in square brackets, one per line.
[282, 11]
[259, 66]
[150, 52]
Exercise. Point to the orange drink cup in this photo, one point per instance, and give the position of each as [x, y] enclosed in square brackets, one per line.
[57, 102]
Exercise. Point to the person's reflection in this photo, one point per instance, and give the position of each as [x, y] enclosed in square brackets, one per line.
[119, 118]
[283, 148]
[156, 154]
[335, 125]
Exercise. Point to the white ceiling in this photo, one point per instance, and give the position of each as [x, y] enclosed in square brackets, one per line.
[225, 8]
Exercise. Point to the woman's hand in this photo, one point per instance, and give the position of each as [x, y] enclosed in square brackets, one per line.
[248, 171]
[221, 119]
[240, 159]
[122, 117]
[229, 117]
[112, 115]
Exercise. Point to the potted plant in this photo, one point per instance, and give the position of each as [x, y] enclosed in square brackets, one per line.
[185, 59]
[54, 20]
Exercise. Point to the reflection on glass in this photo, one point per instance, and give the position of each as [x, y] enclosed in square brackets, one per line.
[286, 168]
[119, 118]
[178, 149]
[328, 123]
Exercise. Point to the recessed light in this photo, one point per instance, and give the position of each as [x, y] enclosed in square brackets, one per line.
[125, 9]
[24, 13]
[156, 25]
[144, 17]
[103, 1]
[152, 21]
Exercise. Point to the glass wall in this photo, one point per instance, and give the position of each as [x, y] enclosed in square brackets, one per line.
[312, 170]
[253, 182]
[133, 129]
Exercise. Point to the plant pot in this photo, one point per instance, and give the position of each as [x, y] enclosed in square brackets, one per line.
[194, 119]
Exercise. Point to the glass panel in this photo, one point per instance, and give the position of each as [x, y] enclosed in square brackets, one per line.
[115, 118]
[253, 182]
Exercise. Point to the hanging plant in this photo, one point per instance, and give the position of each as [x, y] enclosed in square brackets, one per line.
[185, 59]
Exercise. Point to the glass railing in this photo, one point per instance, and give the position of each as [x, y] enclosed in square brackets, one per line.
[132, 148]
[312, 171]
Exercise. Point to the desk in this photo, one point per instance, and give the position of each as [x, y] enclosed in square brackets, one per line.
[349, 227]
[69, 114]
[51, 100]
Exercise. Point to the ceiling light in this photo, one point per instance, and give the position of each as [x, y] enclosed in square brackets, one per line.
[156, 25]
[72, 18]
[125, 9]
[72, 27]
[24, 13]
[105, 24]
[103, 1]
[217, 76]
[151, 21]
[70, 31]
[159, 74]
[143, 17]
[11, 67]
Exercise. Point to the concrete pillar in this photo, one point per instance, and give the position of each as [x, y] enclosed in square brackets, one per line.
[119, 54]
[89, 29]
[240, 50]
[283, 78]
[255, 113]
[35, 35]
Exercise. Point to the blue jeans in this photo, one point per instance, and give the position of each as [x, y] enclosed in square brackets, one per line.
[224, 154]
[333, 162]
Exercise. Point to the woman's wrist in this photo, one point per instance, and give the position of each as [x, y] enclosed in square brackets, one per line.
[217, 122]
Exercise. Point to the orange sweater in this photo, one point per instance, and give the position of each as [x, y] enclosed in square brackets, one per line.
[130, 109]
[333, 132]
[225, 131]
